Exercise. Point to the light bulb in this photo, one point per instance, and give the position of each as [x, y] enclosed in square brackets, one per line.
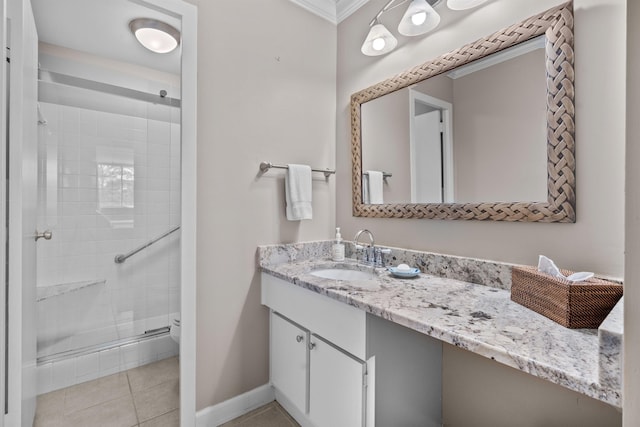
[378, 44]
[418, 18]
[379, 41]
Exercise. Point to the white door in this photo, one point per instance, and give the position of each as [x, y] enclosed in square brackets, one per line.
[336, 386]
[289, 360]
[22, 209]
[428, 157]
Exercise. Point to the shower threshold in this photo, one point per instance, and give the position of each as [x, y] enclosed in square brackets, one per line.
[149, 334]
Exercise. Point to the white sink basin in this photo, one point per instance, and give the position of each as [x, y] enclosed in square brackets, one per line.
[343, 274]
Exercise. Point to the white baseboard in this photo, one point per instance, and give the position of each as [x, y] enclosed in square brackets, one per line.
[239, 405]
[288, 406]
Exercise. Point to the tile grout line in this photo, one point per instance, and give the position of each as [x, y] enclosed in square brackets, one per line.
[133, 401]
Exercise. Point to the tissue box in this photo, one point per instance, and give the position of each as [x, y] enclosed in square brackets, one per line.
[571, 304]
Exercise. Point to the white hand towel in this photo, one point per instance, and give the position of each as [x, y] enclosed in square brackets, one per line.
[297, 189]
[374, 180]
[365, 188]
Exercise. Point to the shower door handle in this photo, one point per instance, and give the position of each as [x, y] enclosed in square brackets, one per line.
[47, 235]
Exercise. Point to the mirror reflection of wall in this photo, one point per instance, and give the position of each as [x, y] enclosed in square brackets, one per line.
[475, 134]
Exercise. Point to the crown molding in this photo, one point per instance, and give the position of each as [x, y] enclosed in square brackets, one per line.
[334, 11]
[344, 8]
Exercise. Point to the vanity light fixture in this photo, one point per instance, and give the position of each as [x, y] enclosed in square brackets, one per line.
[157, 36]
[419, 18]
[379, 41]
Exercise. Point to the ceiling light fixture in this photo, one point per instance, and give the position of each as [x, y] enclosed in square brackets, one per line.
[419, 18]
[157, 36]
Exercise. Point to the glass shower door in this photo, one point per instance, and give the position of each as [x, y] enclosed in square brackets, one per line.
[109, 183]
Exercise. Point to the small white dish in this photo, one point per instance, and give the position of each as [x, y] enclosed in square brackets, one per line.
[404, 273]
[580, 276]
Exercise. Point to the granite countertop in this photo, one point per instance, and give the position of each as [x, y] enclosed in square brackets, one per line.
[478, 318]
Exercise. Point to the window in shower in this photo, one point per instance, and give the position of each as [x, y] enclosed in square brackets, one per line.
[115, 185]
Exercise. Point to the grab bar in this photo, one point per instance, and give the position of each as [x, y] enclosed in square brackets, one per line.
[119, 259]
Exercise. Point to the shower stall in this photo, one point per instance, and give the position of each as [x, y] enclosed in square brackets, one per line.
[108, 277]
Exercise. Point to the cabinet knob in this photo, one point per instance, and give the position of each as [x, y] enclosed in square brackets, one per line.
[312, 345]
[299, 338]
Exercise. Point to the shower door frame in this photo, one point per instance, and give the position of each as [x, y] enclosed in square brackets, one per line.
[188, 135]
[3, 211]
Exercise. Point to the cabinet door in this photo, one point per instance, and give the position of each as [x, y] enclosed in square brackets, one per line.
[336, 386]
[289, 360]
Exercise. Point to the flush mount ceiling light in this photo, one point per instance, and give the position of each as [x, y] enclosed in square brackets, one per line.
[419, 18]
[157, 36]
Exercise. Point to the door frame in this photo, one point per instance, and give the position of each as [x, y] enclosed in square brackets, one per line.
[188, 13]
[447, 139]
[3, 211]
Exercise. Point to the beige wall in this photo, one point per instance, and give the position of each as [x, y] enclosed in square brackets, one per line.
[499, 131]
[632, 266]
[266, 91]
[478, 392]
[440, 86]
[385, 132]
[595, 242]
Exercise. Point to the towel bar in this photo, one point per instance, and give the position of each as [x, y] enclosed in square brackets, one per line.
[265, 166]
[385, 175]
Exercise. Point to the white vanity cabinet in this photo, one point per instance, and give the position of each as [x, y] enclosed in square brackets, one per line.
[289, 360]
[332, 365]
[315, 377]
[317, 349]
[337, 385]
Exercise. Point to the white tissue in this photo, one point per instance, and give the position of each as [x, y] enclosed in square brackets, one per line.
[546, 265]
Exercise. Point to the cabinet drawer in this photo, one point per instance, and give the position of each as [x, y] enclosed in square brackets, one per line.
[343, 325]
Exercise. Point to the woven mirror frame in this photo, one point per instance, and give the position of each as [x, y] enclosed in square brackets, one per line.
[557, 25]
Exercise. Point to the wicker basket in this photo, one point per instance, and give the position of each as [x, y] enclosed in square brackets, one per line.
[573, 305]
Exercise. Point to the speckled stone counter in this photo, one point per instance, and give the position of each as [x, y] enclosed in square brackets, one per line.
[479, 318]
[610, 335]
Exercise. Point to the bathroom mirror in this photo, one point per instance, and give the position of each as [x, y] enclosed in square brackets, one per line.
[492, 155]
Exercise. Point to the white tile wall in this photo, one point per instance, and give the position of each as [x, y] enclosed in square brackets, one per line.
[86, 239]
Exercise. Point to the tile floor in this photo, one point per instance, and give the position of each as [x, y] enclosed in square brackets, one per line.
[270, 415]
[146, 396]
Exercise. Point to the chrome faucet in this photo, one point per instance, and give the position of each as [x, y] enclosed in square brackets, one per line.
[368, 254]
[372, 242]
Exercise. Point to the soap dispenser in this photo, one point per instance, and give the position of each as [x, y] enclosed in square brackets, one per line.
[337, 251]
